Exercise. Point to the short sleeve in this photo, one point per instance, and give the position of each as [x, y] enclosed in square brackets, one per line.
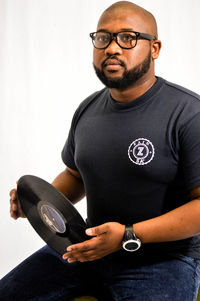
[189, 135]
[68, 151]
[69, 147]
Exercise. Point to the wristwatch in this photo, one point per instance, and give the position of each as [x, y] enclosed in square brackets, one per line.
[130, 242]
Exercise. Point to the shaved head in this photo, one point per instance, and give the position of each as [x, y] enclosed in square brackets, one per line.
[118, 67]
[142, 16]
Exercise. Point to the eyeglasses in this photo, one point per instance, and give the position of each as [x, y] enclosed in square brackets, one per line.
[125, 39]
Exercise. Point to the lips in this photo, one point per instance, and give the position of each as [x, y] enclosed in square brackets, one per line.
[112, 65]
[112, 62]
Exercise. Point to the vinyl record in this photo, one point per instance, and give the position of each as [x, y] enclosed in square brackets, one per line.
[50, 213]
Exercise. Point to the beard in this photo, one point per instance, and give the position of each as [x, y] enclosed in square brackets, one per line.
[128, 78]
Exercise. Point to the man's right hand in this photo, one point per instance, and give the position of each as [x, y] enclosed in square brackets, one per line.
[15, 206]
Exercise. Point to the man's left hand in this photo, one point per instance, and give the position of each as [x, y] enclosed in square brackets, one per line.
[106, 239]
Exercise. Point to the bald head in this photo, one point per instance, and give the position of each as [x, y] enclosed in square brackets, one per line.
[144, 19]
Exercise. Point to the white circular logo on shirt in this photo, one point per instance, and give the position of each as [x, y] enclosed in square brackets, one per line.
[141, 151]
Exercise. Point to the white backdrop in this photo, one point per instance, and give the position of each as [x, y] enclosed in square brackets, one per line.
[46, 71]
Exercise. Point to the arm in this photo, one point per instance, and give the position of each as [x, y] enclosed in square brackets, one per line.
[69, 182]
[180, 223]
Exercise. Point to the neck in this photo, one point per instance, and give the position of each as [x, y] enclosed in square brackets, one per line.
[133, 92]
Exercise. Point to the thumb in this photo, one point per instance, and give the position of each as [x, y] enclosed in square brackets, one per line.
[96, 230]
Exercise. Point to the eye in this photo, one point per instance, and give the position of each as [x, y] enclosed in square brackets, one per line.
[101, 38]
[127, 37]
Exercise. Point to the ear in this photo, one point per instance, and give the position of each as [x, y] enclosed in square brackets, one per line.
[155, 49]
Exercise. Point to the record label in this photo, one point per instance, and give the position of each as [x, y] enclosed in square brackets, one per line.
[53, 219]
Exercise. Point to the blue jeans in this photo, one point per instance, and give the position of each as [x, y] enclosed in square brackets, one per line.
[46, 276]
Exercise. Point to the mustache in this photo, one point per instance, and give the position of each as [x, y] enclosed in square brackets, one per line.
[112, 57]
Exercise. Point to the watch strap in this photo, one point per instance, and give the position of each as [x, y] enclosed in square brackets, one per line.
[129, 234]
[130, 241]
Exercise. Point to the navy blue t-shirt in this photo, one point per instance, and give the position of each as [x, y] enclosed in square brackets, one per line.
[140, 159]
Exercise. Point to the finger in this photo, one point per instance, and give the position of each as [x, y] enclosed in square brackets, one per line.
[13, 202]
[78, 247]
[80, 256]
[83, 246]
[13, 194]
[16, 214]
[15, 209]
[13, 205]
[84, 256]
[77, 253]
[97, 230]
[83, 251]
[87, 256]
[13, 214]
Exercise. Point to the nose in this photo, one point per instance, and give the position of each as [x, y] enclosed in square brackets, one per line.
[113, 48]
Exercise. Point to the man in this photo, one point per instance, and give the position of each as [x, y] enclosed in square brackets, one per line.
[134, 151]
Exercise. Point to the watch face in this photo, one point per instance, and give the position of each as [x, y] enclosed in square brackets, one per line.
[131, 245]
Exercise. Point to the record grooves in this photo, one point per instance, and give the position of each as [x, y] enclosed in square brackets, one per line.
[50, 213]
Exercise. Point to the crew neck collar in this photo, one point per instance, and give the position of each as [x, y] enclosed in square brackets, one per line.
[138, 101]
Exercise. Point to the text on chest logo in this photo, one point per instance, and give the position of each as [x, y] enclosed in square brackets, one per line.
[141, 151]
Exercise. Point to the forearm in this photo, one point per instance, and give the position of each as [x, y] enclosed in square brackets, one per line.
[70, 185]
[177, 224]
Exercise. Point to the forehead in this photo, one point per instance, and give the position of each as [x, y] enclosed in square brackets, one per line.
[119, 20]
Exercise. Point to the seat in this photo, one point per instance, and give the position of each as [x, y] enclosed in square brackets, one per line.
[198, 296]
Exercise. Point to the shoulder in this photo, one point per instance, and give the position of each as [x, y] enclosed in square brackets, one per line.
[183, 103]
[92, 97]
[86, 103]
[181, 93]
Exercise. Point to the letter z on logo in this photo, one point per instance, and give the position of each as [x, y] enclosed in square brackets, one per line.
[141, 151]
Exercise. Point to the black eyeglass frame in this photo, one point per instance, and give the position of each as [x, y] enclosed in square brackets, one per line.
[141, 35]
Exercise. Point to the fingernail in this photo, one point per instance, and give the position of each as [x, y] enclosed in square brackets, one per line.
[71, 260]
[89, 231]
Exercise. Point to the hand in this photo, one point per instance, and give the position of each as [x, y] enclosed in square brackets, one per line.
[15, 207]
[107, 239]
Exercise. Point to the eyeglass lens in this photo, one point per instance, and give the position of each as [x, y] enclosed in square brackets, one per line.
[124, 39]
